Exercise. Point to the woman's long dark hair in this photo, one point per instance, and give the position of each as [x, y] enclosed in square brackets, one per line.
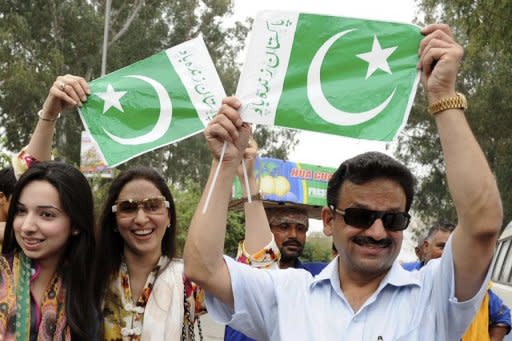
[76, 264]
[110, 242]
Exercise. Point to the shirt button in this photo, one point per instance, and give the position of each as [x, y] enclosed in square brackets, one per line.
[356, 319]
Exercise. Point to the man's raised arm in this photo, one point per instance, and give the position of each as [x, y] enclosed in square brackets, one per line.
[203, 254]
[470, 180]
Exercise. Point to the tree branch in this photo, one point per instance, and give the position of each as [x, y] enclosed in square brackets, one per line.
[128, 22]
[57, 30]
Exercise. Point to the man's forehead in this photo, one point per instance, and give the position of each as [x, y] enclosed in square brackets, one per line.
[379, 191]
[277, 216]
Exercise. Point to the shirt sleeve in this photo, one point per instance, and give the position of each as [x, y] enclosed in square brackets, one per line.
[266, 258]
[499, 313]
[451, 315]
[255, 304]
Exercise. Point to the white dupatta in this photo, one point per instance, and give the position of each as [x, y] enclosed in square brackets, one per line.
[163, 316]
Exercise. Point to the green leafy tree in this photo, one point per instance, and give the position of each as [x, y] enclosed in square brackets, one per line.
[5, 159]
[318, 248]
[186, 199]
[482, 27]
[43, 39]
[314, 252]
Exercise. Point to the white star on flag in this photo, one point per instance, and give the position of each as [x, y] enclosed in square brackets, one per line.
[111, 98]
[377, 58]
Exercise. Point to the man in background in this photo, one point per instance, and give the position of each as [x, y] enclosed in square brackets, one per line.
[493, 319]
[7, 182]
[430, 246]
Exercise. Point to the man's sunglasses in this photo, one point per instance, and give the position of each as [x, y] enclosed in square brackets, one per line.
[149, 205]
[363, 218]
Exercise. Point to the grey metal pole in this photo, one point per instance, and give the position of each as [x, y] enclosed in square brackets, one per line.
[108, 5]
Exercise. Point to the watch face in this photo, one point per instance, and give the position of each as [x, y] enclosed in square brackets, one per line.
[464, 102]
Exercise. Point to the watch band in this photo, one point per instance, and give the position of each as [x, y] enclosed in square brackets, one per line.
[455, 102]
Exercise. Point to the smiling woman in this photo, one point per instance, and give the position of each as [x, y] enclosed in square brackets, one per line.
[140, 288]
[46, 292]
[41, 226]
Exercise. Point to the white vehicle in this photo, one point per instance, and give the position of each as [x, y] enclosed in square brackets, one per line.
[501, 274]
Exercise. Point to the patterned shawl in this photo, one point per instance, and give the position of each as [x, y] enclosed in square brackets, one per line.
[123, 314]
[15, 303]
[166, 311]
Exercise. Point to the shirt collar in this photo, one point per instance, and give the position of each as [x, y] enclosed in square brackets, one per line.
[400, 277]
[396, 276]
[328, 273]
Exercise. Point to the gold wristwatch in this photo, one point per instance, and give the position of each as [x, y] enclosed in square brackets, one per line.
[456, 102]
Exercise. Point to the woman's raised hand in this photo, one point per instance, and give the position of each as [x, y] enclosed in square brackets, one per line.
[66, 92]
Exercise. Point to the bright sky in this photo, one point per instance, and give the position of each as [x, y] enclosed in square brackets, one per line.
[321, 149]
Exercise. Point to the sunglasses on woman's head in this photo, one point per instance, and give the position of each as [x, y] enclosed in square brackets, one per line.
[149, 205]
[363, 218]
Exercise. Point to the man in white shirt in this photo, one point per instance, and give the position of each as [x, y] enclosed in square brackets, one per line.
[363, 294]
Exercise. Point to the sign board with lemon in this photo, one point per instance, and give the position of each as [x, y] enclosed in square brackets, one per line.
[291, 183]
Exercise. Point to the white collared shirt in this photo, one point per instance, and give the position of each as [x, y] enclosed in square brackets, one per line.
[292, 305]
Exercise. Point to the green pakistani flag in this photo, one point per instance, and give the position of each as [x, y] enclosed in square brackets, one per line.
[154, 102]
[334, 75]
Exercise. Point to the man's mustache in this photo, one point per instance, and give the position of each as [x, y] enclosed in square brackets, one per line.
[363, 240]
[292, 243]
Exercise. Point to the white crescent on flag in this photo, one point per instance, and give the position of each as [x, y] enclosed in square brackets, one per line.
[164, 118]
[321, 105]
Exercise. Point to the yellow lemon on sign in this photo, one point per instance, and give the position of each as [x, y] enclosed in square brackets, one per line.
[267, 184]
[282, 186]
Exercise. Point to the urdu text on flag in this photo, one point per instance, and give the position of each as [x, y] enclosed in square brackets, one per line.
[157, 101]
[334, 75]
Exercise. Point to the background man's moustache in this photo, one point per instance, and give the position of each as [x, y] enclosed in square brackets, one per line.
[292, 242]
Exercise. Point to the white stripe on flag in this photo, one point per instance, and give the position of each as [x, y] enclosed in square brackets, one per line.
[262, 77]
[195, 67]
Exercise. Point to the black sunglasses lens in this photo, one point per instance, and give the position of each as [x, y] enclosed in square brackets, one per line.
[359, 217]
[363, 218]
[395, 221]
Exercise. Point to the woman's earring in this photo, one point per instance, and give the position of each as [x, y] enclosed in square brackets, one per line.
[169, 226]
[76, 232]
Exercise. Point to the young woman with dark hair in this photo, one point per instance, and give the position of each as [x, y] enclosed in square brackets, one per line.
[139, 285]
[45, 282]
